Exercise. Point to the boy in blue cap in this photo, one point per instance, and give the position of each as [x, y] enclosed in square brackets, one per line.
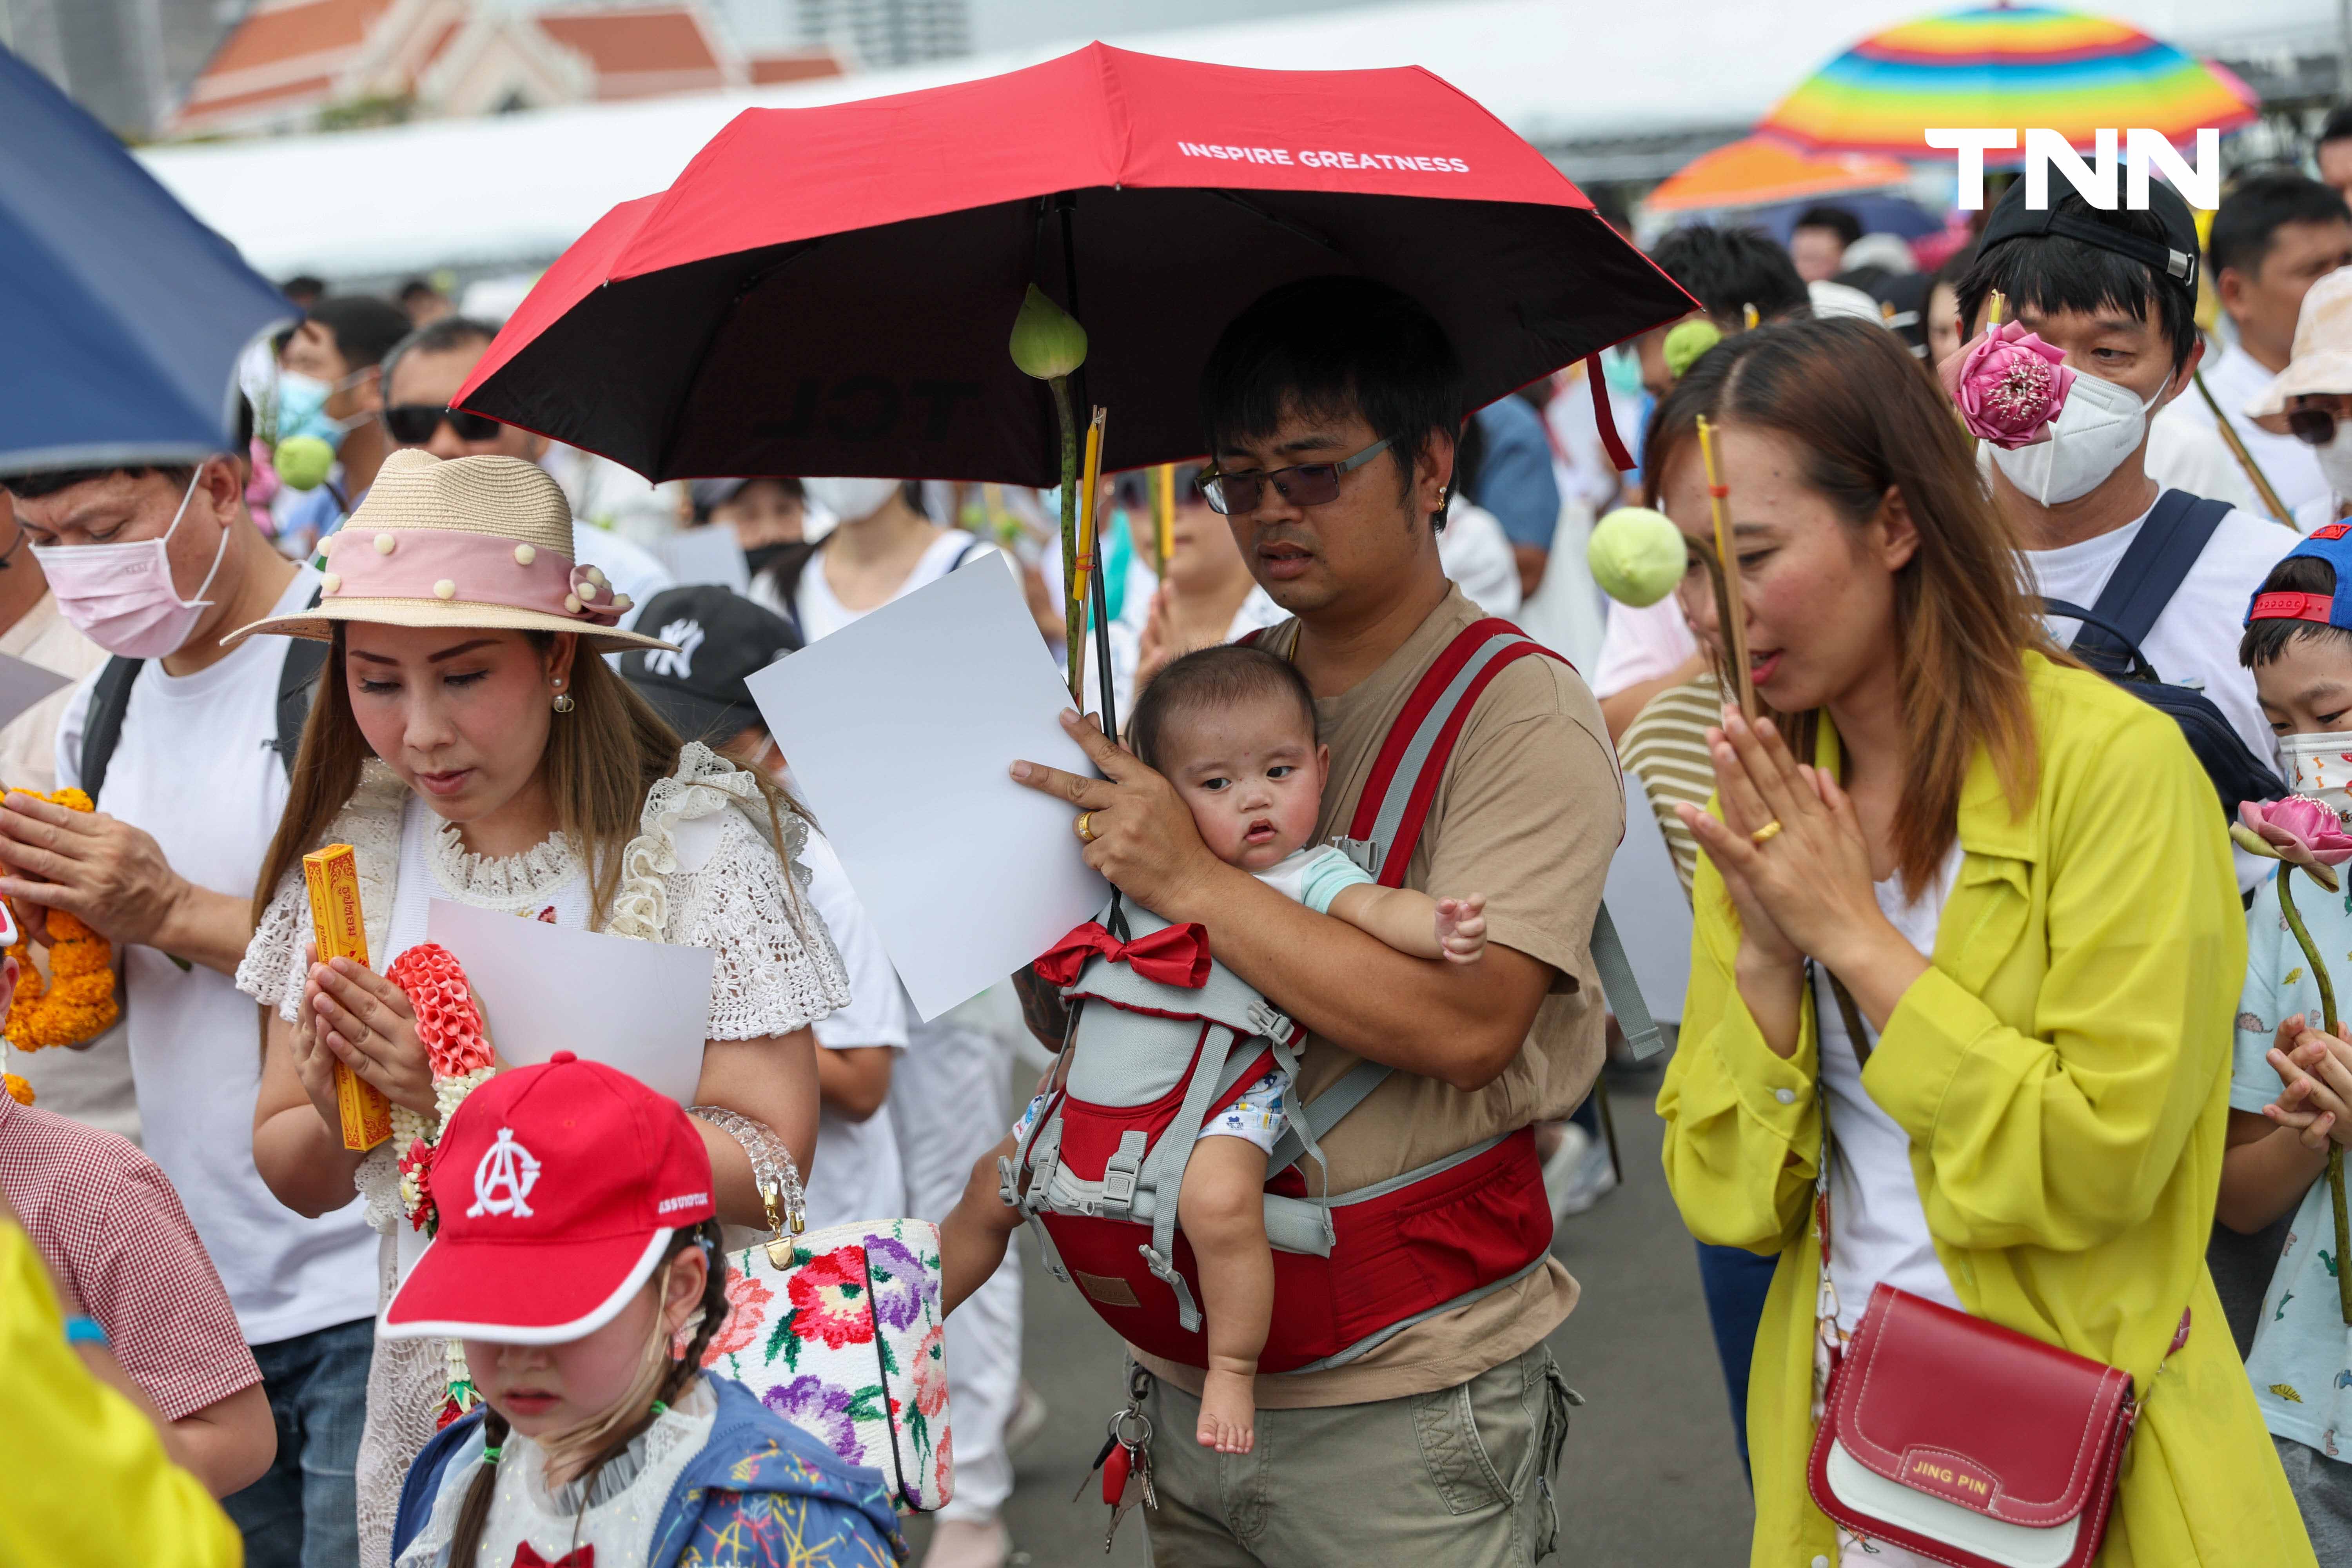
[2291, 1086]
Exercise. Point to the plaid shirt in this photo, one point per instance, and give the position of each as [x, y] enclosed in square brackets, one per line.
[108, 1222]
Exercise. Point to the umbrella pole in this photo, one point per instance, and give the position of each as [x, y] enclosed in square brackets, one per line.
[1101, 604]
[1066, 203]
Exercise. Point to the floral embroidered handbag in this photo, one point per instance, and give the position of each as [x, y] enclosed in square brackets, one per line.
[839, 1332]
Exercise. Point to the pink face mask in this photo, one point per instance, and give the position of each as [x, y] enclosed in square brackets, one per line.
[120, 596]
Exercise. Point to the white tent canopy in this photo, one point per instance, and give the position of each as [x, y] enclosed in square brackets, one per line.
[517, 189]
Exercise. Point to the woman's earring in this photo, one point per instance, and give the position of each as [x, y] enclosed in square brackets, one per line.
[563, 704]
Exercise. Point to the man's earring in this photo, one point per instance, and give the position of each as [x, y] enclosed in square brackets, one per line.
[563, 704]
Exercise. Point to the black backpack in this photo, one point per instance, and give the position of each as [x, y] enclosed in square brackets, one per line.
[2175, 533]
[109, 699]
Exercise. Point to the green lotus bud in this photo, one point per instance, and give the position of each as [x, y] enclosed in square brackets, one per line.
[302, 462]
[1047, 341]
[1637, 555]
[1688, 340]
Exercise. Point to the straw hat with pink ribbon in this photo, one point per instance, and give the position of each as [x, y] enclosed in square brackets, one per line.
[469, 542]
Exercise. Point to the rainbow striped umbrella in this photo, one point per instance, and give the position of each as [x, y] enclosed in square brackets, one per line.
[2019, 66]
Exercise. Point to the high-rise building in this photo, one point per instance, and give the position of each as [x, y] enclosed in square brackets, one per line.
[883, 33]
[126, 61]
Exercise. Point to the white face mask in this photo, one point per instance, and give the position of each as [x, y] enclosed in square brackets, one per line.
[122, 596]
[2336, 462]
[851, 500]
[2101, 425]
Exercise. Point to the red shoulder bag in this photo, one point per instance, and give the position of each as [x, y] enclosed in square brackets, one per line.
[1955, 1437]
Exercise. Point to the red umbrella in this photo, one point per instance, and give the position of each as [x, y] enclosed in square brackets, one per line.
[830, 290]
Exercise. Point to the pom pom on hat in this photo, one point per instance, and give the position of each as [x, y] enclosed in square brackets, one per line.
[1637, 555]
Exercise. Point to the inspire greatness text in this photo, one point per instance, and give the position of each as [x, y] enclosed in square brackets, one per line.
[1314, 158]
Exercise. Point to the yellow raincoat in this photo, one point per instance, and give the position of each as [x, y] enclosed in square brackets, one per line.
[2063, 1072]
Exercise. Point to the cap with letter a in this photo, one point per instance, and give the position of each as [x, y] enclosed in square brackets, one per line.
[558, 1187]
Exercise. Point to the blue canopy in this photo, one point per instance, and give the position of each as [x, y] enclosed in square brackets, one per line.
[121, 316]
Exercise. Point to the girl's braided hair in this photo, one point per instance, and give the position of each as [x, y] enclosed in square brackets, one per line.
[669, 1378]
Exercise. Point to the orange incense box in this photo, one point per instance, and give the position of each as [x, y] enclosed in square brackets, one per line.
[332, 877]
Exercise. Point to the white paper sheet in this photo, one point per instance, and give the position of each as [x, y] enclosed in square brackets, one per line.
[22, 685]
[640, 1007]
[707, 554]
[901, 728]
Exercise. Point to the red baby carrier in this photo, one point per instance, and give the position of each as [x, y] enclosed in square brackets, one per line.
[1163, 1038]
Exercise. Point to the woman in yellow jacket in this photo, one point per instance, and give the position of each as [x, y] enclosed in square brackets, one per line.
[2021, 876]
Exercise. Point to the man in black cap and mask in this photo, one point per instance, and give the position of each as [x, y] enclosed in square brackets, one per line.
[2118, 292]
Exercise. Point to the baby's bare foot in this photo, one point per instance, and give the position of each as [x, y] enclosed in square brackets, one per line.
[1228, 1411]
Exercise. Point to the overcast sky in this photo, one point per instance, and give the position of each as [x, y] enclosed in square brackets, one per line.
[1008, 24]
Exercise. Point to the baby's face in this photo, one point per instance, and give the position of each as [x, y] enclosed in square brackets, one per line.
[1253, 777]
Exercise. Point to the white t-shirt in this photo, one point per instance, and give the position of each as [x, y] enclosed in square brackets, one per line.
[857, 1173]
[196, 769]
[2236, 379]
[2184, 455]
[1642, 645]
[1878, 1227]
[2316, 512]
[1476, 554]
[819, 612]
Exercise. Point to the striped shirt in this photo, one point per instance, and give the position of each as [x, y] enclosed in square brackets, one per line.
[1666, 748]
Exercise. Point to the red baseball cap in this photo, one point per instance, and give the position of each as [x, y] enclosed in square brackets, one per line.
[558, 1187]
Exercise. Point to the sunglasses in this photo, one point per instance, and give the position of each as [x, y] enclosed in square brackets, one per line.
[1304, 484]
[413, 424]
[2312, 426]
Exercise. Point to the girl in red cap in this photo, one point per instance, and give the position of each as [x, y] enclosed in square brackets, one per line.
[470, 745]
[577, 1262]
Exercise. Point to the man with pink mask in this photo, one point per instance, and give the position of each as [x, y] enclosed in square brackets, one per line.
[181, 740]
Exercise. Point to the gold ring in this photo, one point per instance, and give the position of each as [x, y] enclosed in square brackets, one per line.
[1087, 827]
[1765, 833]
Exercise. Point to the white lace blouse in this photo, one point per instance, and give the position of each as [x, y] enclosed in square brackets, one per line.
[701, 871]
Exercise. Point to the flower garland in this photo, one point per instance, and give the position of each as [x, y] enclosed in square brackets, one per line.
[75, 1003]
[449, 1022]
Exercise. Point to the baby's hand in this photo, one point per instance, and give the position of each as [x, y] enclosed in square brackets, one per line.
[1462, 928]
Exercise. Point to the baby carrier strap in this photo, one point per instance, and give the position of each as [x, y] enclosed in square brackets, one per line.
[1392, 810]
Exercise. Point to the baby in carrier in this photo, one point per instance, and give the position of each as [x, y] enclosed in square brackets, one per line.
[1234, 730]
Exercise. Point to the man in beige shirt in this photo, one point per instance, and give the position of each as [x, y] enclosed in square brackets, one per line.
[1437, 1443]
[90, 1083]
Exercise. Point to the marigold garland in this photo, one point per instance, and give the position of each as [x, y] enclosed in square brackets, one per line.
[76, 1002]
[18, 1089]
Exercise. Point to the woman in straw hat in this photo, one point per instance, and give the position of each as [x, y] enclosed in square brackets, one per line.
[469, 744]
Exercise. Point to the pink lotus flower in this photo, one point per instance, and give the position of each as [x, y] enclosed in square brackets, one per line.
[2299, 830]
[2009, 385]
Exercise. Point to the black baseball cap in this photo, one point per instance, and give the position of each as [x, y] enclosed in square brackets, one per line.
[722, 638]
[2173, 260]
